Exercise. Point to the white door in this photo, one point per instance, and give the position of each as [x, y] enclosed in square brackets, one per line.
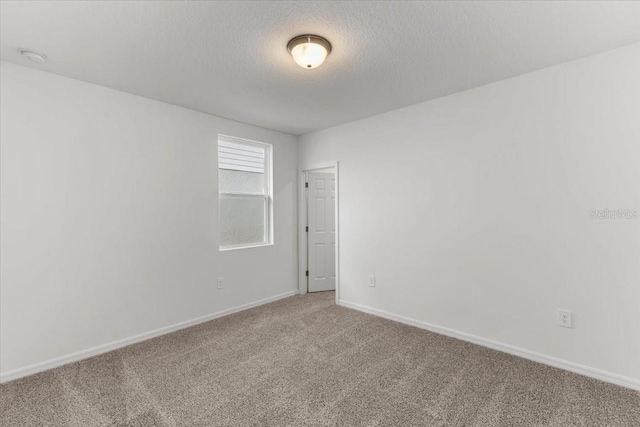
[321, 202]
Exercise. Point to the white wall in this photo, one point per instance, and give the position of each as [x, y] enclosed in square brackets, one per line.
[109, 218]
[473, 211]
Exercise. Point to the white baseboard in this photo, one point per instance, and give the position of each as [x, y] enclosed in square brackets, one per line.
[91, 352]
[599, 374]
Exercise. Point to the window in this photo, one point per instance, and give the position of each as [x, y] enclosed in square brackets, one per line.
[244, 185]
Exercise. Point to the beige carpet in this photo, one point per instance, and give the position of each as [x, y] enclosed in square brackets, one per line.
[303, 361]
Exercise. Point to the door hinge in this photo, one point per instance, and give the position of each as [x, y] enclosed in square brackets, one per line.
[307, 273]
[306, 185]
[306, 229]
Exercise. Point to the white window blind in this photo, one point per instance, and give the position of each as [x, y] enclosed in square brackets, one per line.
[240, 157]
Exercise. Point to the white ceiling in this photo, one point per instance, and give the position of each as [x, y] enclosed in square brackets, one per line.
[230, 58]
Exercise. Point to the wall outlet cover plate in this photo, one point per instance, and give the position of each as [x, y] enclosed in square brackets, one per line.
[564, 318]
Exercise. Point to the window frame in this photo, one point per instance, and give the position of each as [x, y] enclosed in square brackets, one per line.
[267, 196]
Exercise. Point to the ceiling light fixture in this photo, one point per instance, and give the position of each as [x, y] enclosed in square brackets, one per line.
[309, 51]
[33, 56]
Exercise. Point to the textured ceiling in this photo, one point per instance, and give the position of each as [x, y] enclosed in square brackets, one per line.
[230, 58]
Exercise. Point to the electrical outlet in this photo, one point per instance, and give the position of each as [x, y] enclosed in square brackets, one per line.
[220, 282]
[372, 281]
[564, 318]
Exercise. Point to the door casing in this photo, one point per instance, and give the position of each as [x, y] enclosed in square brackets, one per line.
[302, 215]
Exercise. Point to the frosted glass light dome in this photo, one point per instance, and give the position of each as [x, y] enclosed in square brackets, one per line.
[309, 51]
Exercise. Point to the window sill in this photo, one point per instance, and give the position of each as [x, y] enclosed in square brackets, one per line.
[234, 248]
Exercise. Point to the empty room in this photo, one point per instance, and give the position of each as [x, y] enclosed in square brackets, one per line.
[319, 213]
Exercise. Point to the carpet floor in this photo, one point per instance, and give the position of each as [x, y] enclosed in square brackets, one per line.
[303, 361]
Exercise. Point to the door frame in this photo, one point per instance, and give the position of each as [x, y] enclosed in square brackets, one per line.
[302, 222]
